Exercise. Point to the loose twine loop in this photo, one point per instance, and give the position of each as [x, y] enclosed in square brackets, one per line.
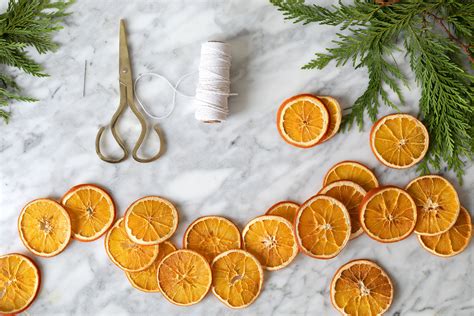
[213, 88]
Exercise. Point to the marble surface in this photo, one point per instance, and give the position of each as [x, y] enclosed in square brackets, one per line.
[237, 169]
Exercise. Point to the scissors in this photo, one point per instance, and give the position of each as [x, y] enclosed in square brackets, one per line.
[127, 97]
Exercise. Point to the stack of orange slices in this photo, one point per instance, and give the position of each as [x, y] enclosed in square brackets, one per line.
[306, 120]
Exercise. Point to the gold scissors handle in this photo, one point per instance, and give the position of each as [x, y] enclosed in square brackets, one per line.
[126, 98]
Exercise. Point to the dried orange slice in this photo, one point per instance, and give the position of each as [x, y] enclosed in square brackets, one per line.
[211, 235]
[45, 227]
[184, 277]
[399, 140]
[452, 242]
[437, 202]
[335, 116]
[352, 171]
[302, 120]
[19, 283]
[351, 195]
[271, 240]
[323, 227]
[126, 254]
[388, 214]
[91, 210]
[285, 209]
[361, 287]
[151, 220]
[237, 278]
[146, 280]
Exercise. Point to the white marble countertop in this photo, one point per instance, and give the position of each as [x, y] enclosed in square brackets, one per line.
[237, 169]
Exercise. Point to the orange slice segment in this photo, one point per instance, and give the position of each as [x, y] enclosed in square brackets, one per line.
[91, 210]
[151, 220]
[285, 209]
[184, 277]
[335, 116]
[271, 240]
[352, 171]
[388, 214]
[146, 280]
[323, 227]
[399, 140]
[302, 120]
[19, 283]
[351, 195]
[437, 202]
[237, 278]
[211, 235]
[361, 287]
[453, 241]
[44, 227]
[126, 254]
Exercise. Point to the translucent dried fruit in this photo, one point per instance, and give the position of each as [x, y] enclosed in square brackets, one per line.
[352, 171]
[285, 209]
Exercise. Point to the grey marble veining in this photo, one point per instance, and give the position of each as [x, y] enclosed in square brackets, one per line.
[237, 169]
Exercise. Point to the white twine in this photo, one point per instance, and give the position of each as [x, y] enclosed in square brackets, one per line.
[213, 88]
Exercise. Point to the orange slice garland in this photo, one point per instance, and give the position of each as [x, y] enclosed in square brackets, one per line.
[335, 116]
[211, 235]
[399, 140]
[126, 254]
[352, 171]
[271, 240]
[361, 287]
[184, 277]
[285, 209]
[19, 283]
[237, 278]
[351, 195]
[322, 227]
[91, 210]
[437, 202]
[146, 280]
[453, 241]
[151, 220]
[302, 120]
[44, 227]
[388, 214]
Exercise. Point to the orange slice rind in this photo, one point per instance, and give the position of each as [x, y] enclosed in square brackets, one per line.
[388, 214]
[44, 227]
[237, 278]
[322, 227]
[19, 283]
[271, 240]
[361, 287]
[91, 209]
[351, 195]
[437, 202]
[146, 280]
[125, 253]
[335, 116]
[151, 220]
[302, 120]
[211, 235]
[285, 209]
[184, 277]
[352, 171]
[452, 242]
[399, 140]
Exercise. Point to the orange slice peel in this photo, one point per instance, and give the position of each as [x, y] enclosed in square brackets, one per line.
[91, 209]
[237, 278]
[353, 171]
[335, 116]
[44, 227]
[322, 227]
[271, 240]
[285, 209]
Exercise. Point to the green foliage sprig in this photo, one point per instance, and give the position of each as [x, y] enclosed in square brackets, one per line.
[24, 24]
[438, 37]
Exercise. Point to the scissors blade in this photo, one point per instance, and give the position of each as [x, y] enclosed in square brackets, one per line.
[125, 71]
